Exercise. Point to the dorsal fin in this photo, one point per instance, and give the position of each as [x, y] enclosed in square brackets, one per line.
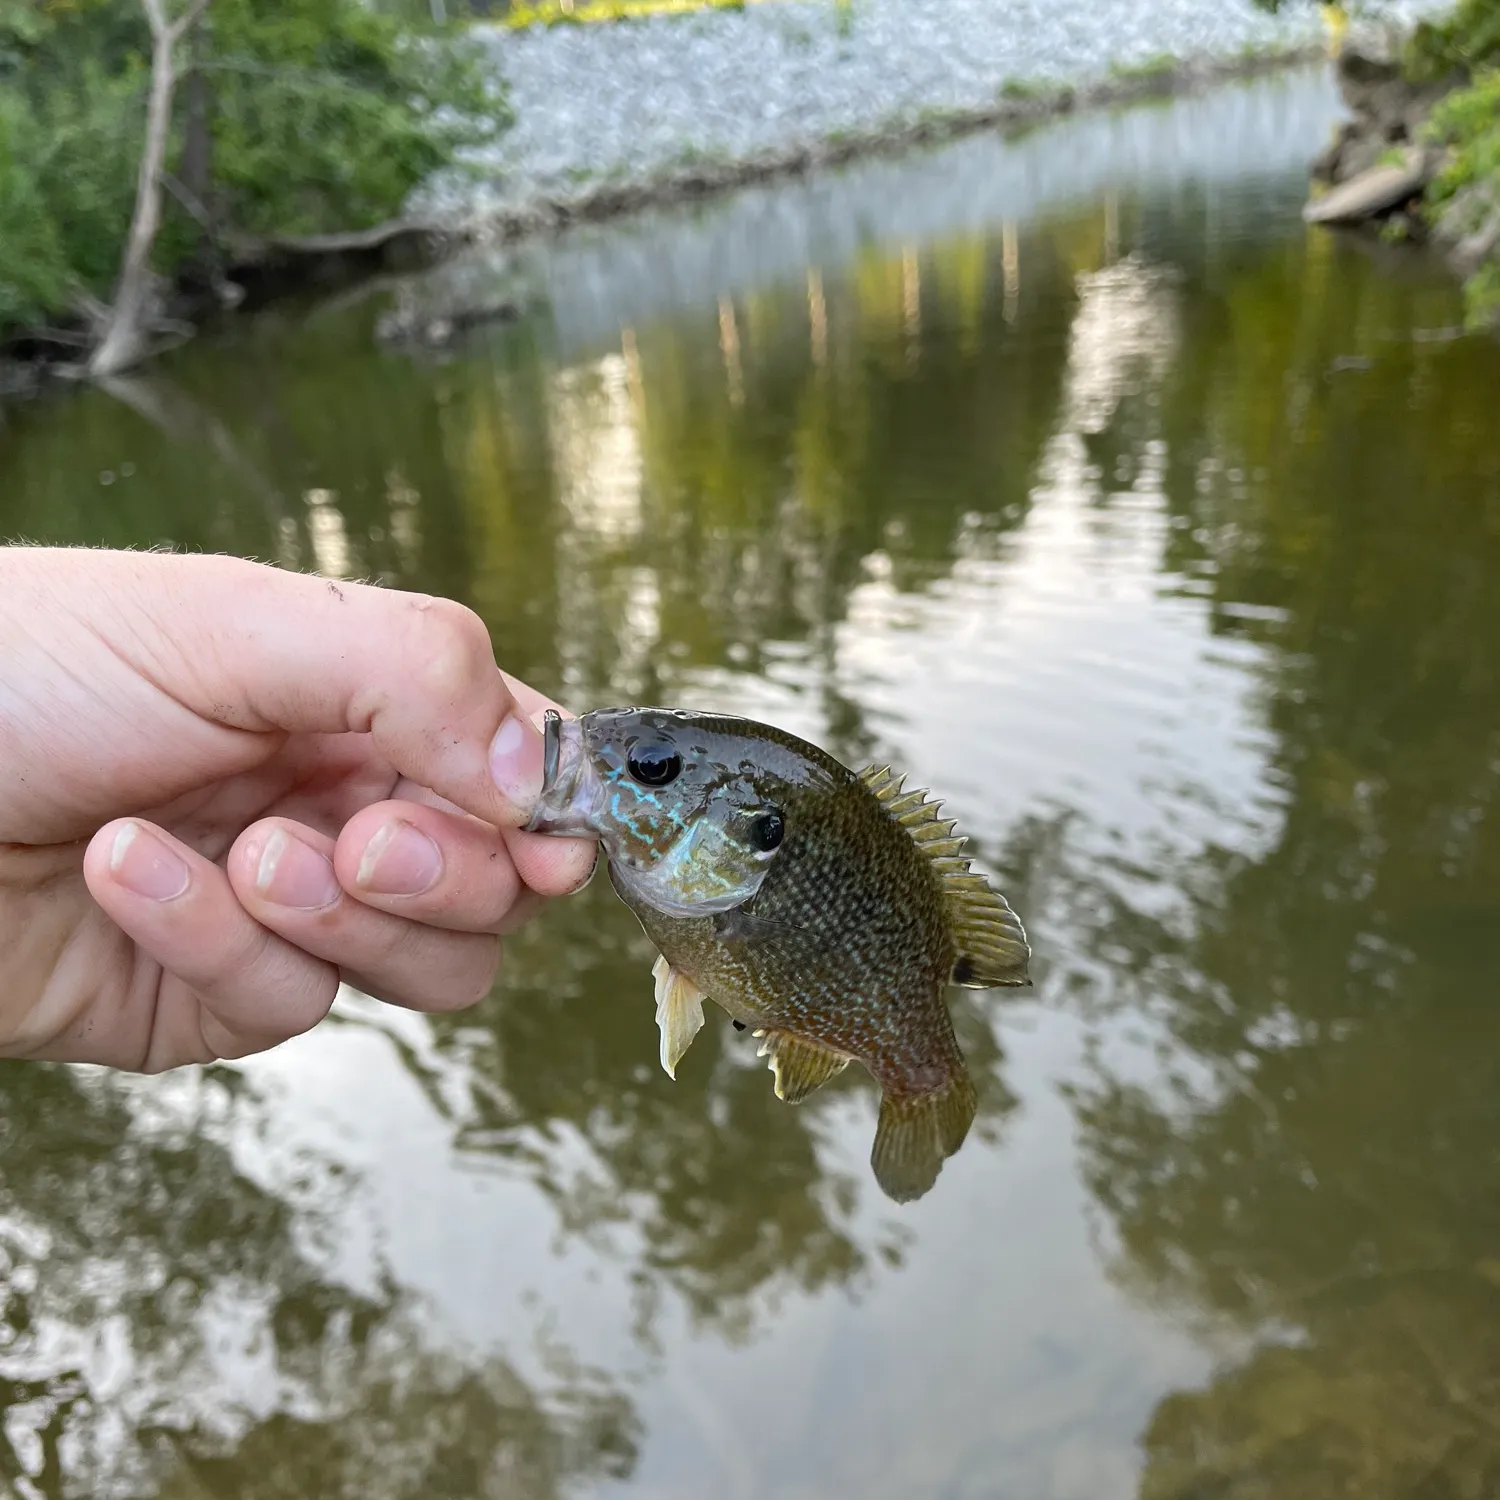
[992, 946]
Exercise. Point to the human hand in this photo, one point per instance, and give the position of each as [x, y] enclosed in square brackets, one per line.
[224, 787]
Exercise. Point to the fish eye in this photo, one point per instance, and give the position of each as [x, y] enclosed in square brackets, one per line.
[767, 830]
[654, 765]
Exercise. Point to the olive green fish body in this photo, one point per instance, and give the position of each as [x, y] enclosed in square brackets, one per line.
[846, 942]
[825, 910]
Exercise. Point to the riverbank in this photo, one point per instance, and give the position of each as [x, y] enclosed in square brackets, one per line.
[584, 282]
[615, 117]
[611, 118]
[1418, 157]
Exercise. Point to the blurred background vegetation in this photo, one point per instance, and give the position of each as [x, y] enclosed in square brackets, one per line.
[1463, 49]
[1468, 121]
[317, 116]
[292, 117]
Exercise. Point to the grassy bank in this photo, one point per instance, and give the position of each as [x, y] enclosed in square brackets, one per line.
[1463, 200]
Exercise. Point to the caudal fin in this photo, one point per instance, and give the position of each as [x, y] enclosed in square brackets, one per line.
[917, 1133]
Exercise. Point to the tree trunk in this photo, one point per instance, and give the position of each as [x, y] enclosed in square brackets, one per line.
[126, 332]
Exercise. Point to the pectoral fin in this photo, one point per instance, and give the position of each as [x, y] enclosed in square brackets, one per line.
[679, 1013]
[800, 1066]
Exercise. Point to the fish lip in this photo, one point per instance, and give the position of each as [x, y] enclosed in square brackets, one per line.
[551, 747]
[571, 789]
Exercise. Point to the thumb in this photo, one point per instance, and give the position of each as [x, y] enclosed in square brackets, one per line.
[260, 649]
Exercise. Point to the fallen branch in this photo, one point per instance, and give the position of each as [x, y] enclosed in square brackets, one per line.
[263, 264]
[397, 238]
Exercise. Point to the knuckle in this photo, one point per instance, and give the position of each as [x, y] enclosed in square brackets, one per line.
[253, 1004]
[461, 977]
[397, 945]
[243, 951]
[452, 648]
[482, 969]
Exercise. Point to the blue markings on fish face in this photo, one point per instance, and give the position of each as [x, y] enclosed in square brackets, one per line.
[685, 821]
[705, 869]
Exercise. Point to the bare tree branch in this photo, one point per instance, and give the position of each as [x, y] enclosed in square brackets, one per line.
[156, 18]
[124, 340]
[184, 23]
[186, 422]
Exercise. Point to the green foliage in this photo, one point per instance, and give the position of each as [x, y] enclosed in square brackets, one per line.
[1464, 46]
[31, 270]
[1466, 41]
[70, 134]
[1483, 292]
[327, 117]
[1466, 194]
[1020, 91]
[1469, 120]
[315, 115]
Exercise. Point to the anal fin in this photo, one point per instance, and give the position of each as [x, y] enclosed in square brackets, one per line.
[800, 1066]
[917, 1133]
[679, 1013]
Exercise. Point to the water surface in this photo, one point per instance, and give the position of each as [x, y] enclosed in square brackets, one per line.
[1158, 534]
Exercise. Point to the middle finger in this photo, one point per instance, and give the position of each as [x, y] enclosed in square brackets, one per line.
[445, 869]
[283, 875]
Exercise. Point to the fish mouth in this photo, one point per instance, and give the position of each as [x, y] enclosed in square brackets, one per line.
[571, 790]
[551, 746]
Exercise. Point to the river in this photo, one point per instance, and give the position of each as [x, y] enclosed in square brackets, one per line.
[1157, 533]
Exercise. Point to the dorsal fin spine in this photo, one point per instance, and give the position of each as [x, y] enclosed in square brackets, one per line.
[906, 803]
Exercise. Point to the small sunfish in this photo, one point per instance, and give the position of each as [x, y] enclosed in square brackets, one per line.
[827, 911]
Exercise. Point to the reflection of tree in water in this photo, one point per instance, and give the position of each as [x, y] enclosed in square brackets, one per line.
[760, 498]
[170, 1326]
[1319, 1166]
[624, 520]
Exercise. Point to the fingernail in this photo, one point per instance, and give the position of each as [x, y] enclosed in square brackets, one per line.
[516, 762]
[143, 864]
[588, 874]
[399, 861]
[292, 874]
